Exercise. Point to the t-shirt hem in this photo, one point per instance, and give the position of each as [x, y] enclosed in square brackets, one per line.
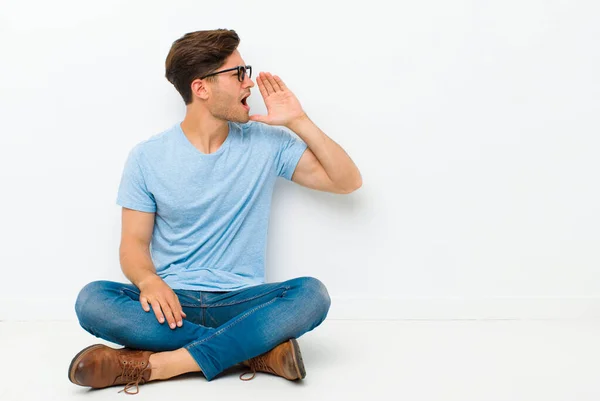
[188, 287]
[136, 206]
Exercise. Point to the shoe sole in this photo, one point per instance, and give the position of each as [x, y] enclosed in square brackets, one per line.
[298, 362]
[77, 358]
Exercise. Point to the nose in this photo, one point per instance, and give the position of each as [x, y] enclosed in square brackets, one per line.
[246, 79]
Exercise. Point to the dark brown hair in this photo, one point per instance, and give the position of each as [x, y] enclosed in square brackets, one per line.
[196, 54]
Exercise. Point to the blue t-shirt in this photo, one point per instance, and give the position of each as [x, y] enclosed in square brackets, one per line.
[211, 210]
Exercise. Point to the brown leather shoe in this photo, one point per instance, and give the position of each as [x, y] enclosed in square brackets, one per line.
[99, 366]
[284, 360]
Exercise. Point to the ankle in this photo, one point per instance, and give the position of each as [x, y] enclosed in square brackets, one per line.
[164, 365]
[155, 367]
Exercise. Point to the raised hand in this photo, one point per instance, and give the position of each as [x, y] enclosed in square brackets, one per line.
[282, 105]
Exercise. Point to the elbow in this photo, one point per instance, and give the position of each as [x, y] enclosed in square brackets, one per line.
[350, 189]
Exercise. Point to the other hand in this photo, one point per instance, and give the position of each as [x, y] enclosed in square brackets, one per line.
[165, 304]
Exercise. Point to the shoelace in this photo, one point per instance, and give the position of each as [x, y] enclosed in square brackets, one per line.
[133, 371]
[256, 364]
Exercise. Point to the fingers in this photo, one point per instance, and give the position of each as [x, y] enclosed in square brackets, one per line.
[157, 311]
[279, 82]
[268, 82]
[261, 87]
[169, 314]
[144, 302]
[177, 312]
[172, 311]
[259, 118]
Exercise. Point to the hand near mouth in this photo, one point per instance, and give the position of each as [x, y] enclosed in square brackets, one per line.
[282, 105]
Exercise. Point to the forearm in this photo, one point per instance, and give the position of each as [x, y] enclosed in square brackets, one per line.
[335, 161]
[136, 264]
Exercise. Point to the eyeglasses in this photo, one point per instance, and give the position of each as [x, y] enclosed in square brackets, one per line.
[241, 72]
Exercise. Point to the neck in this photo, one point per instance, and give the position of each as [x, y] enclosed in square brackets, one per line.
[204, 131]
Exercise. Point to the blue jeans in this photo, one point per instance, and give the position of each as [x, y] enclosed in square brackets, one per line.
[221, 328]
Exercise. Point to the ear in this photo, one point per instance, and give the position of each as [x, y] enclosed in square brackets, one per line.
[200, 89]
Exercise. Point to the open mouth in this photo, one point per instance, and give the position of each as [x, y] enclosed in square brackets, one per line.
[244, 102]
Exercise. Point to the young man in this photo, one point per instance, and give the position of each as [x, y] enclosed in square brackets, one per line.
[198, 194]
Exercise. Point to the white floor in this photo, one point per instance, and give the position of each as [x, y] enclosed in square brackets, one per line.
[348, 360]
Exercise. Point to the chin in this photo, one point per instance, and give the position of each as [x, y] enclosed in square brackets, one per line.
[233, 115]
[243, 119]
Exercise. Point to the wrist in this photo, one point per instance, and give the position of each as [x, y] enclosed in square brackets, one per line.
[297, 121]
[149, 279]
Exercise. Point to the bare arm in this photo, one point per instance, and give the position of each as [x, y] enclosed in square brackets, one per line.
[137, 265]
[325, 165]
[134, 252]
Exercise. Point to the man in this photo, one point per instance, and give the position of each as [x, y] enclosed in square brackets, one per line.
[195, 207]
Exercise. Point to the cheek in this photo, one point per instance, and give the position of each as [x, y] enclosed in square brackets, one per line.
[225, 98]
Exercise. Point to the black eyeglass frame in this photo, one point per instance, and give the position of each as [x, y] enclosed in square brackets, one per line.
[241, 69]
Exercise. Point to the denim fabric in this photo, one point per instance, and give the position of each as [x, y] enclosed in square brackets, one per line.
[221, 329]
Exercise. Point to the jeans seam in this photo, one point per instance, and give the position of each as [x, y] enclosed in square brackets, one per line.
[184, 300]
[248, 313]
[248, 299]
[123, 289]
[211, 318]
[203, 311]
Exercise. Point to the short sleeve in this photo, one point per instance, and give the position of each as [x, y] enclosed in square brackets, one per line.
[289, 153]
[133, 193]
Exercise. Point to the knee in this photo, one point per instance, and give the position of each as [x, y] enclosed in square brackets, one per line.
[317, 296]
[89, 303]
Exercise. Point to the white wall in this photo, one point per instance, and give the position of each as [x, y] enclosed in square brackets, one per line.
[474, 124]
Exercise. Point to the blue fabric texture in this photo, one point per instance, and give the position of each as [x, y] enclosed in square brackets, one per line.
[221, 328]
[211, 210]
